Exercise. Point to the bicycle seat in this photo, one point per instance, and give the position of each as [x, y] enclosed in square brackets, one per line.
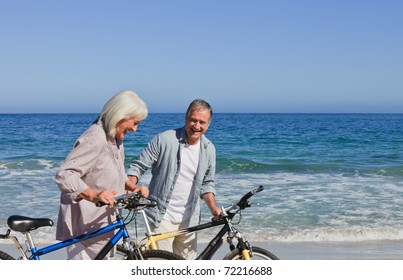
[24, 224]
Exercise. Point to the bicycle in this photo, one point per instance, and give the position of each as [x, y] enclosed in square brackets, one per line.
[132, 202]
[242, 251]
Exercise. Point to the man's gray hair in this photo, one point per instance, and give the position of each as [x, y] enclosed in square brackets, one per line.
[199, 104]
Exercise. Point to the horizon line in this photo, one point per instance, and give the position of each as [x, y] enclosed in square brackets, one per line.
[89, 113]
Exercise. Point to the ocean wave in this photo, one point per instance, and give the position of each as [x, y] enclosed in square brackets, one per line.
[319, 235]
[294, 207]
[235, 165]
[26, 164]
[47, 235]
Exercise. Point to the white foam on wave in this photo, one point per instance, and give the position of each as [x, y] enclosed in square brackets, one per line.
[330, 235]
[40, 236]
[47, 235]
[318, 206]
[47, 164]
[32, 167]
[292, 208]
[333, 235]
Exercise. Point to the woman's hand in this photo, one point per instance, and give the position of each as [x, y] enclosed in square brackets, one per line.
[106, 196]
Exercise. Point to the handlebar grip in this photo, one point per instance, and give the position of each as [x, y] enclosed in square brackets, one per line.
[120, 198]
[99, 204]
[259, 189]
[251, 193]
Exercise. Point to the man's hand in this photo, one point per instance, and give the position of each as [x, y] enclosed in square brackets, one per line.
[131, 186]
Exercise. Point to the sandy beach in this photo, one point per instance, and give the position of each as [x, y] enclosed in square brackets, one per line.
[376, 250]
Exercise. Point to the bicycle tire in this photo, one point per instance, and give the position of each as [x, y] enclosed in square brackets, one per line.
[258, 254]
[160, 255]
[4, 256]
[150, 254]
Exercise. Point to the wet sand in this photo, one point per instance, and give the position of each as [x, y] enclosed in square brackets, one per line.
[376, 250]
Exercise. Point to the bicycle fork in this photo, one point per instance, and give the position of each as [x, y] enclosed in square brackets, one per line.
[134, 252]
[243, 245]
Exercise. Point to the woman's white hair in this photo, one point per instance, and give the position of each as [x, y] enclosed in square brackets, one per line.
[122, 106]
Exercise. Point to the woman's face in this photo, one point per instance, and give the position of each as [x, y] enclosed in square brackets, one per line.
[126, 125]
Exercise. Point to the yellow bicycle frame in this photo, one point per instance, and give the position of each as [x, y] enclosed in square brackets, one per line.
[152, 239]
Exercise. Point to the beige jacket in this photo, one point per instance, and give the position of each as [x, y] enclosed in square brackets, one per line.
[96, 161]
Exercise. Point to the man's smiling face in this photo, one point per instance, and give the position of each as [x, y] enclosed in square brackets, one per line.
[196, 125]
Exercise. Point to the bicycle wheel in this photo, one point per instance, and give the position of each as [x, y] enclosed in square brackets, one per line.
[257, 254]
[160, 255]
[5, 256]
[148, 255]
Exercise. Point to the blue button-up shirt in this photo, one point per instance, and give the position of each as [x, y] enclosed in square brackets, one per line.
[163, 156]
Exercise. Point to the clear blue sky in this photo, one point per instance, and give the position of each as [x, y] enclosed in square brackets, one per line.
[241, 56]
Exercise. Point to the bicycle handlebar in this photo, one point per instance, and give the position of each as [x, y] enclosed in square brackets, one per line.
[130, 201]
[243, 202]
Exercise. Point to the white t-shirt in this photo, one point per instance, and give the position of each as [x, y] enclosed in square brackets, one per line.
[179, 205]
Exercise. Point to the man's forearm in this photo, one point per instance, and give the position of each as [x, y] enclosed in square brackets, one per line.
[209, 198]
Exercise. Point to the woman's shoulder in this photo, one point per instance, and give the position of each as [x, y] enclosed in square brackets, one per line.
[95, 134]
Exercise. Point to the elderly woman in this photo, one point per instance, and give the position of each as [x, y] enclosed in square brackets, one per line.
[94, 171]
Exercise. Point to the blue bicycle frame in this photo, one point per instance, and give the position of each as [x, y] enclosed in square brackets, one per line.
[25, 225]
[131, 201]
[122, 233]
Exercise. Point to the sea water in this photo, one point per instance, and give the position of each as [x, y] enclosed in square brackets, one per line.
[326, 177]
